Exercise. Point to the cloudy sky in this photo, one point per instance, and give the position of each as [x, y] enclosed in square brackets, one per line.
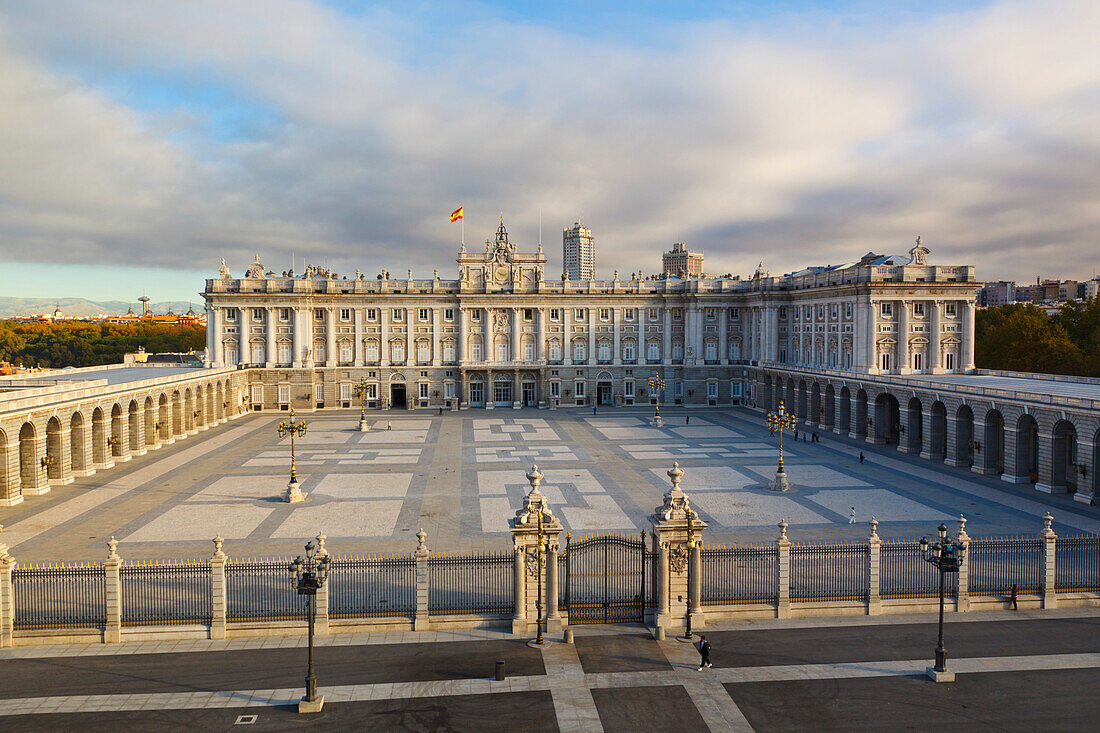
[142, 141]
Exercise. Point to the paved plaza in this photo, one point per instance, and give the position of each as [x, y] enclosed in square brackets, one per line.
[460, 476]
[1028, 670]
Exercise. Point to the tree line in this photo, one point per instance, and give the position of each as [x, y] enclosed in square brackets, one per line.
[1023, 338]
[80, 343]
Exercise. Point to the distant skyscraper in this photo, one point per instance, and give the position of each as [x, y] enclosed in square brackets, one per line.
[578, 249]
[682, 263]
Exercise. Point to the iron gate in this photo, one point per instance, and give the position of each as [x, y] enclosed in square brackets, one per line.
[605, 579]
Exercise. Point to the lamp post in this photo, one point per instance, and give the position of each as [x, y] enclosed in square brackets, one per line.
[690, 562]
[656, 384]
[308, 575]
[780, 420]
[294, 428]
[360, 391]
[947, 557]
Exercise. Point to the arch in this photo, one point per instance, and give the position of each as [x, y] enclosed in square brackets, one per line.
[887, 420]
[188, 411]
[1063, 456]
[830, 406]
[914, 426]
[397, 377]
[163, 426]
[133, 419]
[150, 422]
[803, 401]
[938, 438]
[200, 407]
[53, 449]
[964, 436]
[992, 446]
[99, 437]
[817, 412]
[117, 446]
[790, 402]
[29, 468]
[1027, 449]
[9, 488]
[861, 414]
[176, 426]
[1094, 482]
[77, 441]
[219, 402]
[844, 422]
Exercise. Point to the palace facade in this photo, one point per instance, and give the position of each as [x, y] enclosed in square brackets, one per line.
[502, 335]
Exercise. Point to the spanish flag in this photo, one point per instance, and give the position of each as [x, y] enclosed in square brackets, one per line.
[456, 214]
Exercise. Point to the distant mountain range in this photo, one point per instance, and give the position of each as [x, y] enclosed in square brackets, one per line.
[82, 308]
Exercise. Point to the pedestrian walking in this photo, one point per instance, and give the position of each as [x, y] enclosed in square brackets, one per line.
[861, 457]
[389, 425]
[593, 409]
[852, 516]
[704, 653]
[440, 410]
[687, 420]
[1014, 593]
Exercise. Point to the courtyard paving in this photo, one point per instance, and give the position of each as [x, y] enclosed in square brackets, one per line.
[460, 477]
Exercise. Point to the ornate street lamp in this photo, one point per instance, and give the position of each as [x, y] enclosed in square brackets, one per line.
[308, 575]
[781, 420]
[294, 428]
[656, 384]
[360, 391]
[947, 557]
[690, 562]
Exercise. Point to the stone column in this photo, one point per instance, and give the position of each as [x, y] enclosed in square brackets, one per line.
[962, 593]
[244, 350]
[662, 582]
[65, 455]
[487, 335]
[934, 327]
[723, 335]
[112, 593]
[666, 336]
[296, 342]
[421, 622]
[616, 351]
[678, 531]
[567, 336]
[903, 337]
[514, 349]
[783, 570]
[330, 337]
[217, 586]
[750, 342]
[460, 347]
[540, 337]
[951, 423]
[592, 321]
[384, 341]
[437, 336]
[7, 597]
[525, 527]
[1050, 540]
[771, 334]
[269, 330]
[1085, 460]
[966, 342]
[357, 352]
[874, 555]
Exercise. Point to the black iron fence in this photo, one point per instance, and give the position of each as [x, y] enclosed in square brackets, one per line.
[739, 574]
[903, 573]
[1077, 564]
[372, 586]
[829, 572]
[481, 583]
[998, 563]
[59, 596]
[260, 590]
[166, 592]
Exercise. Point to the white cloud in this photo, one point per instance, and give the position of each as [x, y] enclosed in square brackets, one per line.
[977, 130]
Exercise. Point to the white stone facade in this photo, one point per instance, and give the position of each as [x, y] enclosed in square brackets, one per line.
[502, 335]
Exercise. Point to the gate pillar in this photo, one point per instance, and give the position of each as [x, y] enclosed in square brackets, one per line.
[677, 532]
[535, 539]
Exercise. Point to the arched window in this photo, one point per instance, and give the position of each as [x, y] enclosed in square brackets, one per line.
[528, 351]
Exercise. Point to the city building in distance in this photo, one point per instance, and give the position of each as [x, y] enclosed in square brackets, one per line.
[679, 262]
[578, 251]
[503, 335]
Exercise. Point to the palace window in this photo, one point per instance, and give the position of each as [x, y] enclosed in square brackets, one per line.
[257, 314]
[372, 314]
[284, 353]
[918, 309]
[555, 314]
[345, 391]
[397, 352]
[555, 351]
[284, 314]
[710, 351]
[318, 314]
[603, 351]
[833, 311]
[628, 351]
[528, 314]
[372, 352]
[653, 314]
[502, 352]
[475, 351]
[578, 314]
[284, 394]
[345, 314]
[449, 351]
[424, 315]
[578, 351]
[449, 391]
[711, 314]
[448, 314]
[424, 390]
[848, 310]
[629, 314]
[885, 359]
[528, 351]
[677, 313]
[231, 314]
[475, 314]
[653, 351]
[886, 309]
[628, 389]
[605, 314]
[423, 352]
[918, 361]
[735, 314]
[949, 309]
[949, 361]
[712, 390]
[677, 350]
[345, 352]
[555, 389]
[398, 314]
[578, 390]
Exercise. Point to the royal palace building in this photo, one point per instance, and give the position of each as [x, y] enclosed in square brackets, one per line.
[502, 335]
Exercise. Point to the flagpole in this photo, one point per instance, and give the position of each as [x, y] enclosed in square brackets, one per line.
[462, 228]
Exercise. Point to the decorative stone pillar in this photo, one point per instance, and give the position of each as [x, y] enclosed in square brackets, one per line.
[7, 597]
[962, 593]
[526, 531]
[218, 593]
[783, 570]
[112, 594]
[675, 526]
[269, 332]
[1086, 461]
[320, 618]
[421, 622]
[903, 338]
[1050, 540]
[874, 555]
[65, 456]
[934, 358]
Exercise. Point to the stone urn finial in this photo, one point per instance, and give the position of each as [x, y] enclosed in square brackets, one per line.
[112, 545]
[675, 474]
[534, 477]
[218, 546]
[874, 527]
[321, 549]
[421, 536]
[1048, 531]
[782, 529]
